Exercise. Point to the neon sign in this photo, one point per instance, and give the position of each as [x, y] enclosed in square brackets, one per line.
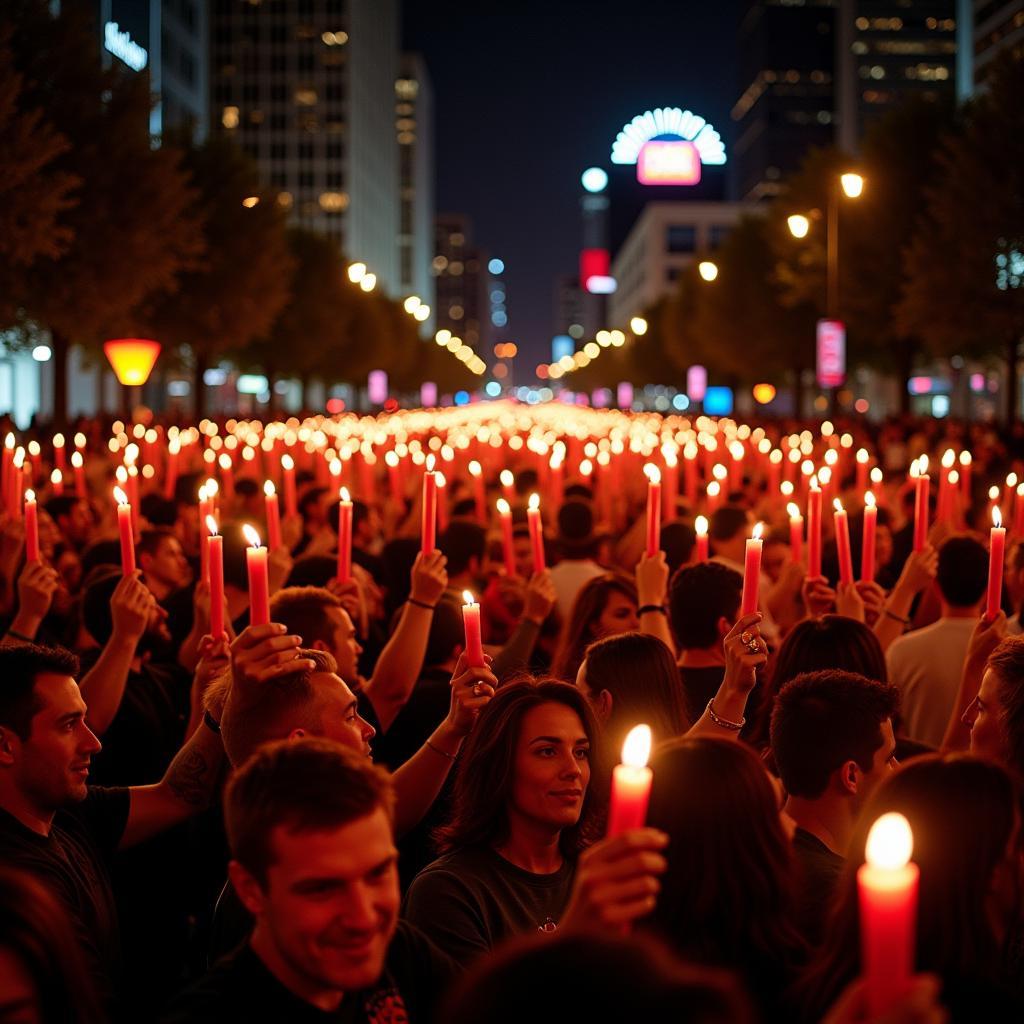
[668, 146]
[668, 163]
[122, 46]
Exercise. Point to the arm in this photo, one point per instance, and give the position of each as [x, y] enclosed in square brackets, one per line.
[36, 585]
[651, 589]
[401, 661]
[214, 664]
[538, 601]
[918, 572]
[984, 640]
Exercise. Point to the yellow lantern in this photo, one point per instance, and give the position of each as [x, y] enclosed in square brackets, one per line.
[132, 359]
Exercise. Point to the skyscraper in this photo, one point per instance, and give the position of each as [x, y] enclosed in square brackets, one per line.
[461, 282]
[997, 26]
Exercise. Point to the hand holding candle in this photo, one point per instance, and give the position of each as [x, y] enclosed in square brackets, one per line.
[752, 572]
[259, 580]
[344, 536]
[471, 622]
[215, 563]
[631, 783]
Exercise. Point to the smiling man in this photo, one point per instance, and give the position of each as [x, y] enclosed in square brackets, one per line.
[314, 861]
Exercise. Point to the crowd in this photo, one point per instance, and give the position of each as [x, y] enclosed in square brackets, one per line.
[343, 815]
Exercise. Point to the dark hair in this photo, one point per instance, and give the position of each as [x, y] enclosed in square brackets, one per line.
[235, 569]
[678, 539]
[698, 596]
[186, 488]
[61, 505]
[486, 770]
[1007, 662]
[962, 813]
[20, 665]
[312, 571]
[246, 488]
[360, 513]
[97, 594]
[150, 540]
[304, 785]
[593, 977]
[101, 553]
[158, 510]
[726, 522]
[963, 570]
[303, 611]
[462, 542]
[821, 720]
[446, 631]
[578, 631]
[36, 929]
[311, 497]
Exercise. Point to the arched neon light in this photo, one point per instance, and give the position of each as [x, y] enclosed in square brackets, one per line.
[669, 146]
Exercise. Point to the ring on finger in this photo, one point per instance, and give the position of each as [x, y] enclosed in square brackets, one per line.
[478, 689]
[746, 636]
[754, 646]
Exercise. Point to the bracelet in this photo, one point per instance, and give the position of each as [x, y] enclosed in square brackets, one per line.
[651, 608]
[438, 750]
[898, 618]
[724, 722]
[211, 723]
[20, 636]
[422, 604]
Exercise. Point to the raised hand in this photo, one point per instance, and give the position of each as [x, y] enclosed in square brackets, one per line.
[540, 597]
[472, 689]
[429, 577]
[264, 652]
[745, 652]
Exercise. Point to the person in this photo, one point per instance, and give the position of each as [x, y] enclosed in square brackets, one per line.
[926, 664]
[832, 742]
[464, 545]
[964, 814]
[727, 897]
[577, 546]
[522, 809]
[310, 828]
[162, 560]
[72, 518]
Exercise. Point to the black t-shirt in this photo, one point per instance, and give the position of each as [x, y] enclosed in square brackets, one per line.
[468, 901]
[426, 708]
[240, 988]
[699, 686]
[74, 862]
[818, 871]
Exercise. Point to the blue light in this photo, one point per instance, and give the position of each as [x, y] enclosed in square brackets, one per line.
[718, 401]
[496, 266]
[561, 345]
[681, 402]
[462, 398]
[493, 388]
[498, 295]
[499, 319]
[594, 179]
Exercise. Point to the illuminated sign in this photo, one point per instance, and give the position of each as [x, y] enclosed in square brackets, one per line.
[562, 345]
[668, 146]
[696, 383]
[122, 46]
[831, 353]
[718, 401]
[595, 272]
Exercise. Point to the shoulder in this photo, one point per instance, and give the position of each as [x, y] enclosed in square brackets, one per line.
[103, 814]
[217, 996]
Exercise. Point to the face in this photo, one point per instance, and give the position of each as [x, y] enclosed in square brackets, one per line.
[75, 526]
[339, 714]
[168, 564]
[883, 544]
[330, 902]
[982, 717]
[619, 616]
[52, 765]
[19, 1000]
[552, 767]
[773, 558]
[344, 643]
[523, 553]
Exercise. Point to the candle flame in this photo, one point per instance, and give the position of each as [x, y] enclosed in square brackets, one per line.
[503, 507]
[58, 440]
[56, 477]
[776, 457]
[794, 510]
[993, 493]
[637, 748]
[468, 598]
[506, 478]
[915, 471]
[120, 496]
[869, 499]
[837, 504]
[441, 480]
[335, 467]
[862, 456]
[700, 526]
[344, 494]
[1011, 479]
[948, 458]
[534, 501]
[814, 483]
[251, 536]
[431, 462]
[652, 473]
[211, 526]
[287, 462]
[9, 441]
[890, 842]
[212, 487]
[475, 468]
[923, 463]
[269, 489]
[30, 495]
[876, 475]
[965, 458]
[997, 516]
[121, 474]
[954, 478]
[756, 532]
[76, 460]
[825, 475]
[225, 461]
[391, 459]
[714, 489]
[586, 467]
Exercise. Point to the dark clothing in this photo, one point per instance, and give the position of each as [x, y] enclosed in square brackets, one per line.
[468, 901]
[240, 988]
[699, 686]
[818, 872]
[74, 862]
[232, 924]
[426, 708]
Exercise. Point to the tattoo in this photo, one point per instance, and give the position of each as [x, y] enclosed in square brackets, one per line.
[188, 779]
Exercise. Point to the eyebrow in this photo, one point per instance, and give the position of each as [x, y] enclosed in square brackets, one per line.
[558, 739]
[70, 717]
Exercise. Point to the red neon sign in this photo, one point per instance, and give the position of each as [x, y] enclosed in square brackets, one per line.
[594, 263]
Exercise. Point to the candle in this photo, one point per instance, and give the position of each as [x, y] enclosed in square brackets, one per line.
[205, 512]
[273, 515]
[508, 482]
[536, 532]
[344, 536]
[394, 480]
[428, 532]
[996, 552]
[700, 527]
[471, 622]
[867, 552]
[441, 502]
[476, 472]
[227, 476]
[259, 580]
[124, 526]
[922, 482]
[945, 509]
[842, 528]
[78, 465]
[291, 505]
[631, 783]
[775, 472]
[5, 478]
[690, 451]
[17, 483]
[965, 478]
[814, 529]
[752, 572]
[505, 516]
[215, 562]
[670, 489]
[31, 527]
[1018, 512]
[863, 458]
[887, 889]
[1008, 491]
[796, 531]
[653, 509]
[59, 452]
[57, 483]
[714, 489]
[171, 477]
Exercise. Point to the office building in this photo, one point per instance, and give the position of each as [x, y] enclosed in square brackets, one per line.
[569, 307]
[460, 282]
[996, 27]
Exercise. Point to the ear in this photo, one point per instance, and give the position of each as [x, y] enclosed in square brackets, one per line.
[297, 734]
[9, 744]
[724, 627]
[319, 645]
[848, 777]
[603, 707]
[249, 891]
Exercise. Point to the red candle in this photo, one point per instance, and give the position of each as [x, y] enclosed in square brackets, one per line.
[653, 509]
[227, 476]
[774, 472]
[171, 477]
[5, 478]
[471, 621]
[59, 452]
[273, 515]
[631, 783]
[536, 532]
[395, 482]
[31, 527]
[1018, 512]
[215, 561]
[945, 509]
[700, 528]
[922, 483]
[796, 531]
[814, 529]
[690, 466]
[508, 482]
[428, 530]
[887, 888]
[713, 491]
[752, 572]
[1008, 491]
[505, 515]
[124, 526]
[670, 488]
[57, 483]
[78, 465]
[291, 504]
[842, 528]
[344, 536]
[441, 504]
[863, 458]
[965, 478]
[259, 580]
[996, 555]
[476, 472]
[14, 503]
[867, 551]
[206, 509]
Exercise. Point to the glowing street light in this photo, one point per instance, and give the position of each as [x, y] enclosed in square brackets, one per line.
[853, 185]
[411, 304]
[368, 282]
[638, 325]
[707, 270]
[356, 272]
[799, 225]
[132, 359]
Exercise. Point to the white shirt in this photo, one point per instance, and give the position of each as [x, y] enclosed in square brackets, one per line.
[926, 665]
[568, 577]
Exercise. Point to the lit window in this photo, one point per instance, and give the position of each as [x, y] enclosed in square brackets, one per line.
[305, 97]
[284, 200]
[456, 312]
[230, 117]
[333, 202]
[455, 268]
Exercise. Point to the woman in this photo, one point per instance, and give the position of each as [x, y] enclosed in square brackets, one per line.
[604, 606]
[965, 818]
[521, 812]
[727, 897]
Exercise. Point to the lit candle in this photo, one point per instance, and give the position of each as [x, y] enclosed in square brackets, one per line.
[78, 465]
[344, 536]
[31, 527]
[59, 452]
[653, 509]
[428, 532]
[887, 887]
[124, 526]
[273, 515]
[700, 528]
[752, 572]
[291, 504]
[690, 452]
[505, 516]
[215, 561]
[670, 488]
[922, 483]
[944, 513]
[863, 458]
[842, 528]
[206, 509]
[631, 783]
[477, 473]
[259, 579]
[796, 531]
[14, 502]
[814, 529]
[57, 483]
[5, 475]
[394, 481]
[471, 622]
[867, 551]
[996, 554]
[171, 476]
[508, 482]
[965, 478]
[1018, 512]
[441, 503]
[1008, 491]
[713, 490]
[774, 472]
[533, 522]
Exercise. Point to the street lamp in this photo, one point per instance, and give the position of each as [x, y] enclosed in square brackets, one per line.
[707, 270]
[853, 185]
[799, 225]
[638, 325]
[356, 272]
[368, 282]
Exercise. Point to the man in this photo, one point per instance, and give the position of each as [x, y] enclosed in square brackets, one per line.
[832, 741]
[464, 544]
[71, 516]
[927, 663]
[578, 547]
[310, 826]
[164, 566]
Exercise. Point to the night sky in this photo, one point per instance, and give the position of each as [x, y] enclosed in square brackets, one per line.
[528, 94]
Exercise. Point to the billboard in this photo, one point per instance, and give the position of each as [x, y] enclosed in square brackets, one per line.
[831, 351]
[668, 146]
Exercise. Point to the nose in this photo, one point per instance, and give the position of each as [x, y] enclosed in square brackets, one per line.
[90, 742]
[570, 768]
[969, 716]
[368, 730]
[360, 912]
